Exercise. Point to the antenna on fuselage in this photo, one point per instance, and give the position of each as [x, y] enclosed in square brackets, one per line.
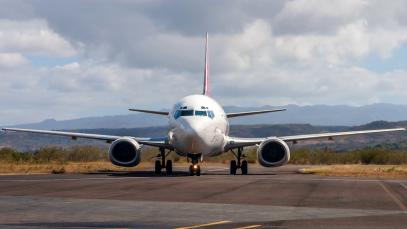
[206, 70]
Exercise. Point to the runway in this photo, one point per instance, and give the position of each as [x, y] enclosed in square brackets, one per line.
[267, 198]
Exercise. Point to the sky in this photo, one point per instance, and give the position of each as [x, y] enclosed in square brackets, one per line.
[70, 59]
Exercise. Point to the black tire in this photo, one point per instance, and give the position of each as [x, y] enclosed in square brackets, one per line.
[198, 171]
[244, 167]
[168, 167]
[233, 167]
[191, 170]
[157, 169]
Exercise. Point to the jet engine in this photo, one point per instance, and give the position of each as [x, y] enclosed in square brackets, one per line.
[125, 152]
[273, 152]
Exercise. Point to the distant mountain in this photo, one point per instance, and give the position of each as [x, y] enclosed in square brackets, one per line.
[326, 115]
[315, 115]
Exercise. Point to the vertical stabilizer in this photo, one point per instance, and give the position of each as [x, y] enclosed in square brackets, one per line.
[206, 70]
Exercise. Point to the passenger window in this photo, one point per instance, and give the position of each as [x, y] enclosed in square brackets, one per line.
[200, 113]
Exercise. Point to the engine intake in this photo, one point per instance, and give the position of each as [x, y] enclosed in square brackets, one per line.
[125, 152]
[273, 152]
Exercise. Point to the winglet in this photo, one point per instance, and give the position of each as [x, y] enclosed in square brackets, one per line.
[206, 69]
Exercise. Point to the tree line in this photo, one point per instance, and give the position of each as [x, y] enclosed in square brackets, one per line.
[367, 155]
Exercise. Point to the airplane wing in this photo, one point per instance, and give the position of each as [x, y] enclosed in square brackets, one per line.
[157, 142]
[150, 111]
[241, 142]
[232, 115]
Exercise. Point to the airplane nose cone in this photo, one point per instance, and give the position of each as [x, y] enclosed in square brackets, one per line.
[193, 130]
[191, 127]
[195, 135]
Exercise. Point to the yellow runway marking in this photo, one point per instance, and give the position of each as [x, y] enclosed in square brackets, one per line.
[395, 199]
[205, 225]
[248, 227]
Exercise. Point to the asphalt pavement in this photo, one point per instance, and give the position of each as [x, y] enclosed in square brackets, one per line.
[266, 198]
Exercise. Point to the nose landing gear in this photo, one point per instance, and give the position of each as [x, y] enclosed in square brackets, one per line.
[194, 169]
[160, 164]
[235, 165]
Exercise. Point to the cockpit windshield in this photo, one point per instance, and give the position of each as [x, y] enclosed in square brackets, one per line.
[182, 112]
[187, 112]
[200, 113]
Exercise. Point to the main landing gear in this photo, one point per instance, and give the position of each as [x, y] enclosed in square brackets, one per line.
[194, 169]
[160, 164]
[235, 165]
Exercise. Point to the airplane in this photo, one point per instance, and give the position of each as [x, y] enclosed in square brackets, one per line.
[199, 128]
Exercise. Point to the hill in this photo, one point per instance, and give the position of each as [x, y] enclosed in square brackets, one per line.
[321, 115]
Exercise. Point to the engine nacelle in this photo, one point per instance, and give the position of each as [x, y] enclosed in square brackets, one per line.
[125, 152]
[273, 152]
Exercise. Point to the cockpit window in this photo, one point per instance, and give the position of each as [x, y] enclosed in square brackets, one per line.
[177, 114]
[200, 113]
[187, 112]
[211, 114]
[180, 113]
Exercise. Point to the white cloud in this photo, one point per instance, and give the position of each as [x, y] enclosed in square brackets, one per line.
[313, 16]
[33, 37]
[258, 44]
[12, 60]
[87, 88]
[305, 52]
[307, 68]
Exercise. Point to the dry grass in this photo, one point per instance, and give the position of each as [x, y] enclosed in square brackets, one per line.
[12, 168]
[69, 167]
[396, 171]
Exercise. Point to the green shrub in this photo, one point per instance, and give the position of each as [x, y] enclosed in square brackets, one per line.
[369, 155]
[84, 154]
[363, 156]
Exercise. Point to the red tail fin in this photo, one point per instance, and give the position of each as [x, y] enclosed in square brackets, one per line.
[206, 70]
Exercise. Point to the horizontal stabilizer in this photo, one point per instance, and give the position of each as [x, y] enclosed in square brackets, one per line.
[232, 115]
[150, 111]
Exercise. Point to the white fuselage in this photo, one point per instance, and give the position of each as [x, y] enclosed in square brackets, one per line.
[198, 125]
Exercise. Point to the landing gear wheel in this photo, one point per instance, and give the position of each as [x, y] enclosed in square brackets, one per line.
[168, 167]
[194, 170]
[244, 167]
[158, 167]
[233, 167]
[198, 171]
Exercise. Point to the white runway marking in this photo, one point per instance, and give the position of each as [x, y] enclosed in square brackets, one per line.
[209, 176]
[393, 197]
[277, 178]
[217, 170]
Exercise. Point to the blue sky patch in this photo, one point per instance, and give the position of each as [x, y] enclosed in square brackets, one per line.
[397, 61]
[42, 61]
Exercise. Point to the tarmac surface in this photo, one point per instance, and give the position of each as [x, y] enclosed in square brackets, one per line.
[266, 198]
